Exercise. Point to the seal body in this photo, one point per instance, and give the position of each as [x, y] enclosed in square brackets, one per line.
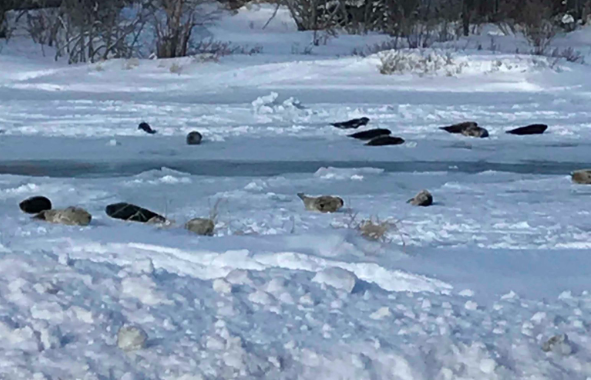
[475, 132]
[423, 198]
[324, 203]
[458, 128]
[130, 212]
[533, 129]
[146, 128]
[35, 205]
[370, 134]
[385, 140]
[351, 124]
[194, 138]
[71, 216]
[582, 177]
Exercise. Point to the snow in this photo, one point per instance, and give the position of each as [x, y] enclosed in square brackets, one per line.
[491, 282]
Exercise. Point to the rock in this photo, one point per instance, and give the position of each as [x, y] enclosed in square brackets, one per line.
[194, 138]
[582, 177]
[370, 134]
[146, 128]
[35, 205]
[458, 128]
[351, 124]
[558, 344]
[423, 198]
[71, 216]
[325, 203]
[475, 132]
[130, 212]
[131, 338]
[385, 140]
[201, 226]
[533, 129]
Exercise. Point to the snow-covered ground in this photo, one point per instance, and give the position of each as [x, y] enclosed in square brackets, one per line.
[469, 288]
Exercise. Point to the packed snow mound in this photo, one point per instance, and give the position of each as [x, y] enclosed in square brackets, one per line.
[269, 104]
[340, 174]
[337, 278]
[70, 313]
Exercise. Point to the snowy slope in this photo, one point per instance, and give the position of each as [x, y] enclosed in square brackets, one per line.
[469, 288]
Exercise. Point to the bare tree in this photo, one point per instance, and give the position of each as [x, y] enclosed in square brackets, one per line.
[174, 22]
[538, 24]
[93, 30]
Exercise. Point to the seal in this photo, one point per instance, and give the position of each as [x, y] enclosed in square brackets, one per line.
[146, 128]
[324, 203]
[458, 128]
[582, 177]
[130, 212]
[532, 129]
[385, 140]
[194, 138]
[423, 198]
[370, 134]
[71, 216]
[35, 205]
[352, 124]
[473, 131]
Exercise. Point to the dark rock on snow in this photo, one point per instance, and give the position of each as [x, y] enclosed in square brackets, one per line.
[130, 212]
[194, 138]
[370, 134]
[385, 140]
[146, 128]
[352, 124]
[533, 129]
[35, 205]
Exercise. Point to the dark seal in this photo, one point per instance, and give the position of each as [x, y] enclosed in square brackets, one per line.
[146, 128]
[35, 205]
[370, 134]
[130, 212]
[194, 138]
[385, 140]
[533, 129]
[460, 127]
[351, 124]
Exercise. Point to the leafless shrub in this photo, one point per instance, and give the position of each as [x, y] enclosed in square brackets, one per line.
[570, 54]
[89, 31]
[43, 26]
[391, 44]
[418, 62]
[174, 22]
[374, 230]
[538, 26]
[215, 209]
[216, 49]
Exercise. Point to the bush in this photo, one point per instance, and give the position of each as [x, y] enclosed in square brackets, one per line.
[418, 62]
[538, 25]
